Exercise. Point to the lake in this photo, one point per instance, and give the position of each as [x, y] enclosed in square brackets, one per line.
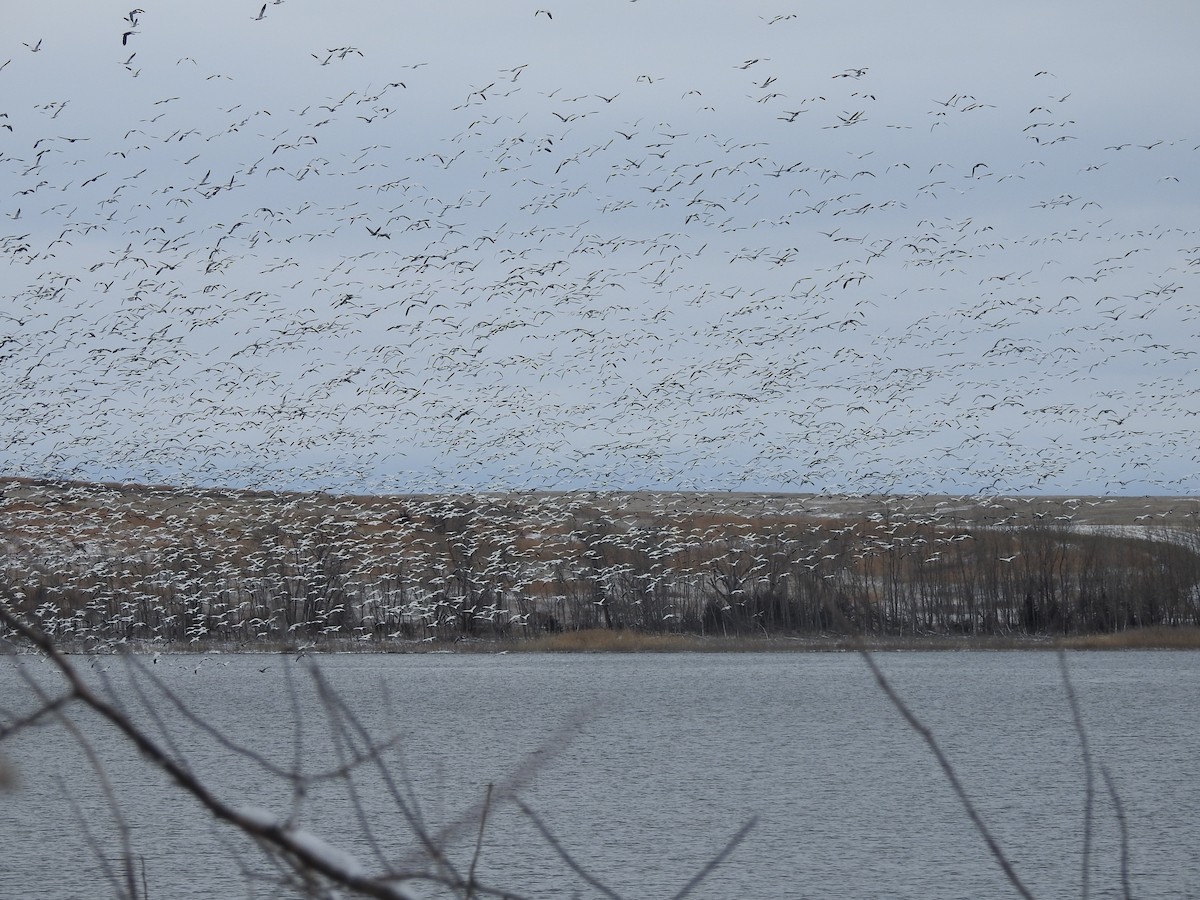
[642, 766]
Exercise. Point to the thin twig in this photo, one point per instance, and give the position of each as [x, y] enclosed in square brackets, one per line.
[308, 859]
[432, 846]
[563, 854]
[346, 751]
[1119, 807]
[89, 837]
[151, 711]
[730, 845]
[1088, 774]
[411, 800]
[521, 775]
[47, 708]
[948, 770]
[299, 785]
[487, 799]
[110, 797]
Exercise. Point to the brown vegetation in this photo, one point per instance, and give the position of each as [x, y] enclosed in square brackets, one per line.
[1156, 638]
[599, 640]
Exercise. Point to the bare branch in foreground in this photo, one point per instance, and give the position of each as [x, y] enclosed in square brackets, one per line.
[311, 853]
[478, 844]
[1119, 807]
[47, 708]
[564, 854]
[732, 844]
[1088, 774]
[948, 770]
[298, 860]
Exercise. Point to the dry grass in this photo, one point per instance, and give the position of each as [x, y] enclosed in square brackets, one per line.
[595, 640]
[1161, 637]
[599, 640]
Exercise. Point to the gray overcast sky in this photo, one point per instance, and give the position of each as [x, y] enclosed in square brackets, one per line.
[756, 246]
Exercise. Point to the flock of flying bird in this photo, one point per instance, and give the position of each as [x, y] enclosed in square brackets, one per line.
[432, 273]
[103, 565]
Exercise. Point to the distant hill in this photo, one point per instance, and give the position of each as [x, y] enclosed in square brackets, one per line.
[108, 564]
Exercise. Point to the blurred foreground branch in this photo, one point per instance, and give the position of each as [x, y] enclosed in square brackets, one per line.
[973, 813]
[304, 861]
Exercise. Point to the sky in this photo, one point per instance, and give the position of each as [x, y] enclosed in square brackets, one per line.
[830, 247]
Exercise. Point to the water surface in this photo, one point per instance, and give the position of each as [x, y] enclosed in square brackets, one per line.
[645, 765]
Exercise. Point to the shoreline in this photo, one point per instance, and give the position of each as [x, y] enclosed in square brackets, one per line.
[603, 641]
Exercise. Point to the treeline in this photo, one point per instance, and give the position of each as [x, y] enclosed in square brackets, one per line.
[463, 568]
